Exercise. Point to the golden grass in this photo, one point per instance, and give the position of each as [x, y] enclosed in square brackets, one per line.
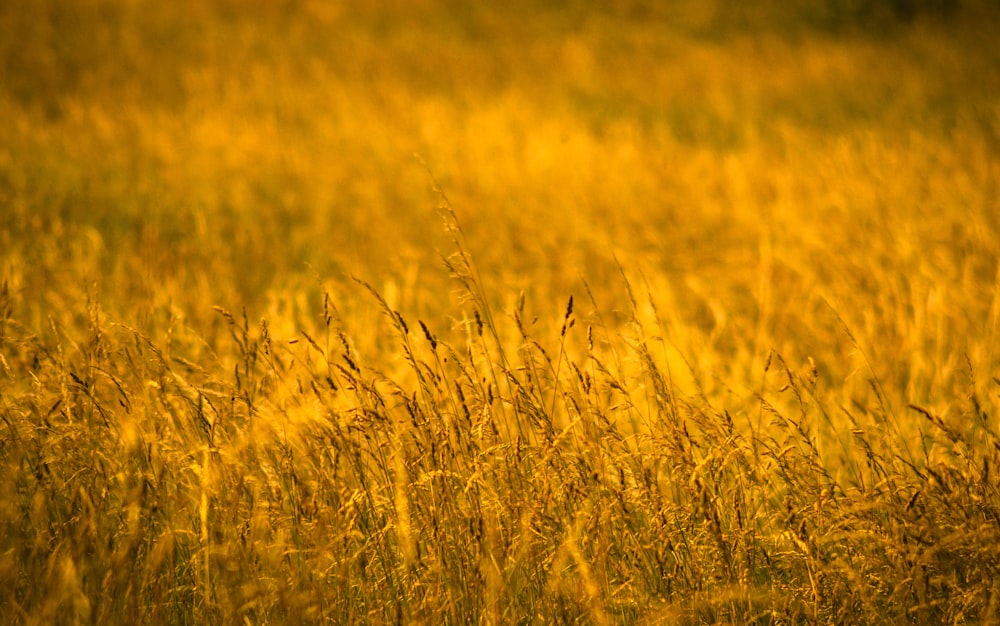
[607, 313]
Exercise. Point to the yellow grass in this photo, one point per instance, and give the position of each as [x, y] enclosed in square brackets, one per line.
[504, 313]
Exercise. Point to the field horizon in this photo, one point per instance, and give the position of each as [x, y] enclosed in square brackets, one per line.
[616, 312]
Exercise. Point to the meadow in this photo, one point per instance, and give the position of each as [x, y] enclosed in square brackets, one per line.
[425, 311]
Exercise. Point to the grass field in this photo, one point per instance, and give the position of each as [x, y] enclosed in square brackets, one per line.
[527, 312]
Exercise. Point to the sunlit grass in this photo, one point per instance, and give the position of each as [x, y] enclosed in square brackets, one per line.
[616, 313]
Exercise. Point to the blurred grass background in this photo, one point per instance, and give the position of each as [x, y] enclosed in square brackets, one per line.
[750, 159]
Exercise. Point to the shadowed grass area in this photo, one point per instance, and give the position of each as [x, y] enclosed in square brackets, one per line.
[543, 312]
